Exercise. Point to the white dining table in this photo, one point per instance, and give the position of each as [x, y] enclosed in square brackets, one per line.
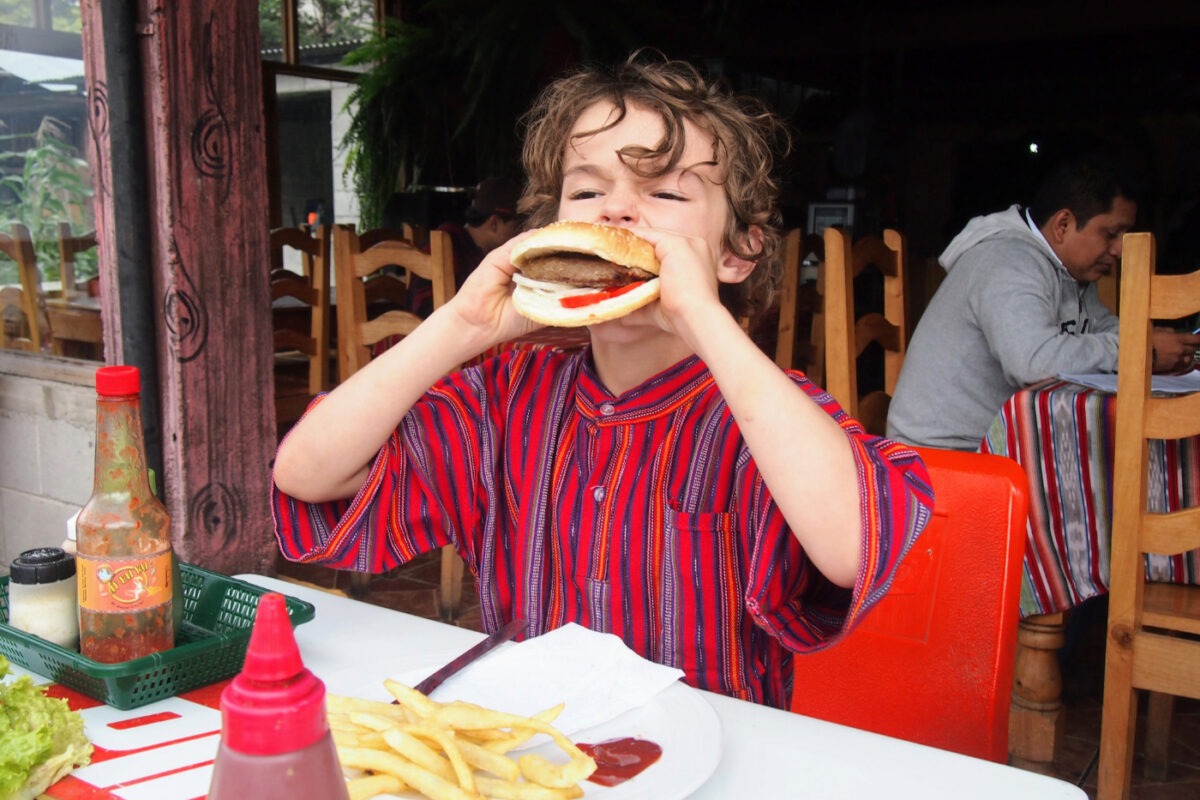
[765, 753]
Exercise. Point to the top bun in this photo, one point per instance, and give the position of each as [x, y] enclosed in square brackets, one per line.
[617, 245]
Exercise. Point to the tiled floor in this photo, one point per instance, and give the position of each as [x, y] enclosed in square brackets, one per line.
[414, 588]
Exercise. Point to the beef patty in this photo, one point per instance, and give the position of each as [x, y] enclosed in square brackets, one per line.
[580, 269]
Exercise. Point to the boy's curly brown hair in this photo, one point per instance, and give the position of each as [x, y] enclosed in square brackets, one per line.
[746, 136]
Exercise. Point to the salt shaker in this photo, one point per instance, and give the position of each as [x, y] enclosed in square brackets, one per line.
[42, 596]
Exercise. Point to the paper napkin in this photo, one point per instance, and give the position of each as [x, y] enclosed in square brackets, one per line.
[594, 674]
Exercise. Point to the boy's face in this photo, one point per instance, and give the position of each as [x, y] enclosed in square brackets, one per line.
[599, 187]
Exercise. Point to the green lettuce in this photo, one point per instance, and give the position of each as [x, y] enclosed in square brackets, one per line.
[41, 739]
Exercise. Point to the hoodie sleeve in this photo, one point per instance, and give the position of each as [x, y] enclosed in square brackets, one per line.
[1034, 326]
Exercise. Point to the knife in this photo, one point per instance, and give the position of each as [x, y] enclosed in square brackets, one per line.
[501, 635]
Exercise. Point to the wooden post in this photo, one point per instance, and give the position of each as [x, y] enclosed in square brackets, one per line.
[1035, 727]
[207, 199]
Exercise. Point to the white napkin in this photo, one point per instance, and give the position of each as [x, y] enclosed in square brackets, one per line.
[594, 674]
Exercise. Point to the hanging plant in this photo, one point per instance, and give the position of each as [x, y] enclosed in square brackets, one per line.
[439, 101]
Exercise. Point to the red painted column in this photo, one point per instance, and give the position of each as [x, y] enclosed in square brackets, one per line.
[201, 75]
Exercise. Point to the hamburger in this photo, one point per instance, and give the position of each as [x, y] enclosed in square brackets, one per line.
[578, 273]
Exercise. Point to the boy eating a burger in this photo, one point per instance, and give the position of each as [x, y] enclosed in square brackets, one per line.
[668, 483]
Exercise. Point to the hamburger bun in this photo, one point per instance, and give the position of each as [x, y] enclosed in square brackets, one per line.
[578, 273]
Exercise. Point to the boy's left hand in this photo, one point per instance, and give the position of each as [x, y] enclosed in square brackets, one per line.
[688, 281]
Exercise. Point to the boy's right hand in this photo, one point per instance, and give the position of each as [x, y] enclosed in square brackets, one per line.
[483, 304]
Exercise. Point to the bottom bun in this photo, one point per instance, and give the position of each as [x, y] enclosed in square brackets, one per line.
[540, 302]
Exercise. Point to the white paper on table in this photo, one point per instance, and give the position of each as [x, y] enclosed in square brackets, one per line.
[594, 675]
[1164, 384]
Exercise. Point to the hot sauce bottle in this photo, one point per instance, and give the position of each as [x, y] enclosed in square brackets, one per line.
[123, 540]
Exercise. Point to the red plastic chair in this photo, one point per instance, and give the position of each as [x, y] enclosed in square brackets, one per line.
[932, 662]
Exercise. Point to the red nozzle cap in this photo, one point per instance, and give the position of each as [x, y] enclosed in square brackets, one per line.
[118, 381]
[275, 705]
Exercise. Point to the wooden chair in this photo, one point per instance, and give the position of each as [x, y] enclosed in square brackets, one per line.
[932, 662]
[75, 324]
[69, 246]
[363, 277]
[26, 323]
[302, 354]
[362, 262]
[798, 306]
[847, 336]
[1153, 628]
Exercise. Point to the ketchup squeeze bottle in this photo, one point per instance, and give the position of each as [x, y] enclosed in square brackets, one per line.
[275, 739]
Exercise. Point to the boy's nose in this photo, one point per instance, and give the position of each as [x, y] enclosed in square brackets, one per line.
[619, 208]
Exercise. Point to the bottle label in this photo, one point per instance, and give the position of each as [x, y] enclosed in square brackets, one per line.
[119, 585]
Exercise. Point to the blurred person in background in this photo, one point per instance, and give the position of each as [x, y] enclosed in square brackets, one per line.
[489, 221]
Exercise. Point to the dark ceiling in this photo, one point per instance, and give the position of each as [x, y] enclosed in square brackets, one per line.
[971, 62]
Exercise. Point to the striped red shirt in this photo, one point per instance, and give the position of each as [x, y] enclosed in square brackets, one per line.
[641, 515]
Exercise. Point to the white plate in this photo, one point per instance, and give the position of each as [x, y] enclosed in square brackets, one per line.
[680, 721]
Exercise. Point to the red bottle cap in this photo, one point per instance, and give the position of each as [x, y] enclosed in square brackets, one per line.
[275, 705]
[119, 381]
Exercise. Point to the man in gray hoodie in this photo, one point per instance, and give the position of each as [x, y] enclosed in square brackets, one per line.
[1018, 305]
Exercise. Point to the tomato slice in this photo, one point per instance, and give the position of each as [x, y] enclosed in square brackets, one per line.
[581, 300]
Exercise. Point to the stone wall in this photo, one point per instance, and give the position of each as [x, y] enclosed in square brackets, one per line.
[47, 447]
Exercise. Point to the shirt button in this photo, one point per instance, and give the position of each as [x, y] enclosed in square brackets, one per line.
[607, 409]
[598, 493]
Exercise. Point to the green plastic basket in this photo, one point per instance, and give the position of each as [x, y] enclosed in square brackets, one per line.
[218, 613]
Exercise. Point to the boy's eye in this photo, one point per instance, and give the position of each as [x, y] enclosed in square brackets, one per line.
[664, 195]
[583, 194]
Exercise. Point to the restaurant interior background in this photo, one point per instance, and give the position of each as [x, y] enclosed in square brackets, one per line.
[914, 115]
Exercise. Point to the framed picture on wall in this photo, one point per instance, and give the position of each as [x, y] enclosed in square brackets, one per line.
[830, 215]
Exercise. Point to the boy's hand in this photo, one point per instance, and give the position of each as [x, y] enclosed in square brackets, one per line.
[483, 303]
[687, 281]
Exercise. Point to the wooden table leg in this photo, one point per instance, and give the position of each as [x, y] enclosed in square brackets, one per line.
[1036, 721]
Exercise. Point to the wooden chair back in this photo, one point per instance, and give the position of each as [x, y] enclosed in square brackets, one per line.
[848, 335]
[797, 309]
[362, 277]
[800, 306]
[933, 661]
[69, 246]
[76, 328]
[28, 326]
[302, 353]
[1153, 628]
[361, 261]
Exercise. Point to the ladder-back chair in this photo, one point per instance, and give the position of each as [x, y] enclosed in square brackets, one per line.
[26, 323]
[302, 351]
[847, 336]
[363, 264]
[1153, 628]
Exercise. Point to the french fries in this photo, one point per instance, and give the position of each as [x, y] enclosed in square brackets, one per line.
[449, 751]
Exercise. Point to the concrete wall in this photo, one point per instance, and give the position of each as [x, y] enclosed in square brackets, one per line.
[47, 448]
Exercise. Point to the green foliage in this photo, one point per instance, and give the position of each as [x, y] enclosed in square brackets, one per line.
[41, 186]
[440, 99]
[396, 107]
[320, 21]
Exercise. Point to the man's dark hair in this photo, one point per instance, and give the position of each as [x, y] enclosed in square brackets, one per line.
[1086, 186]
